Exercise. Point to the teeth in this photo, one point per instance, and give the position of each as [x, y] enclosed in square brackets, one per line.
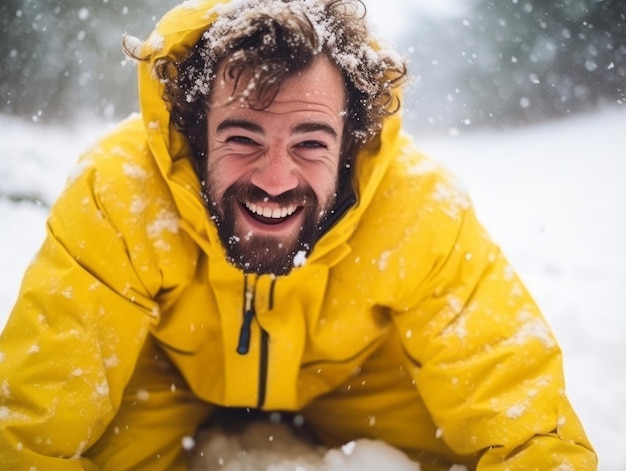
[276, 213]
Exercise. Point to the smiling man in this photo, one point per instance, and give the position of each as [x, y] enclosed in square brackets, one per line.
[272, 172]
[265, 237]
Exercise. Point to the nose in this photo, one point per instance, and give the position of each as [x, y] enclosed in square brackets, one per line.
[276, 173]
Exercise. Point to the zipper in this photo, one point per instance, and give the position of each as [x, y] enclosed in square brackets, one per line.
[264, 353]
[245, 334]
[263, 363]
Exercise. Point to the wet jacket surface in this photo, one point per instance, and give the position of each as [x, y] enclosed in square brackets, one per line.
[127, 326]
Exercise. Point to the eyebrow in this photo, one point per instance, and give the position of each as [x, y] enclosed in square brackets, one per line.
[301, 128]
[241, 124]
[315, 126]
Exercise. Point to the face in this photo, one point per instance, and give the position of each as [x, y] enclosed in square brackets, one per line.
[272, 173]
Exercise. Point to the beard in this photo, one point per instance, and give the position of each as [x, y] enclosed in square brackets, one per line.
[260, 253]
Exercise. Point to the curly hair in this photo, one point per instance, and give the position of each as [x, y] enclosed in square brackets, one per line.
[273, 40]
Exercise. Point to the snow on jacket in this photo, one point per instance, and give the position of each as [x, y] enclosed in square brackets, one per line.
[127, 325]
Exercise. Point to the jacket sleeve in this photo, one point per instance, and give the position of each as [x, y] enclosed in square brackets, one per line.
[482, 356]
[83, 315]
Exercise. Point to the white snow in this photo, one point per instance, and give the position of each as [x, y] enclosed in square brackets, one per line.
[166, 221]
[132, 47]
[370, 68]
[299, 260]
[552, 195]
[272, 446]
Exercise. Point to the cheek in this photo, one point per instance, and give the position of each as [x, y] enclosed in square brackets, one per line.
[323, 182]
[222, 174]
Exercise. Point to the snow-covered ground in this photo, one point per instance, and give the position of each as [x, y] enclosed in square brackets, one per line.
[552, 195]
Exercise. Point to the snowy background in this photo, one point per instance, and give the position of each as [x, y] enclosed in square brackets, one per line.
[541, 149]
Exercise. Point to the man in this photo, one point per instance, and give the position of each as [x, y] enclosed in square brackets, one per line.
[264, 236]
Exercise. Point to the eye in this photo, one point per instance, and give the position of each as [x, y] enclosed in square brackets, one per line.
[313, 144]
[240, 140]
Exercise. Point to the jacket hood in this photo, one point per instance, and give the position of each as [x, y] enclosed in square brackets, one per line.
[174, 35]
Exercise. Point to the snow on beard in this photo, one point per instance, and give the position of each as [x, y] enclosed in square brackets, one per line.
[260, 253]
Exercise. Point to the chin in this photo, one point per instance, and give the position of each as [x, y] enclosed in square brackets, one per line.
[265, 254]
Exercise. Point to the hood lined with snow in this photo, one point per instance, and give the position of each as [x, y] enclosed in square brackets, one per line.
[177, 32]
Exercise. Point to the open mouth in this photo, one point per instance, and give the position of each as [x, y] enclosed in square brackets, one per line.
[270, 216]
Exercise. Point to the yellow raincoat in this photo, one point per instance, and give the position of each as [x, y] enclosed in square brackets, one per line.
[405, 324]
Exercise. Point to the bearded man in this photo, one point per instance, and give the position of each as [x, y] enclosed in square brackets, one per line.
[265, 236]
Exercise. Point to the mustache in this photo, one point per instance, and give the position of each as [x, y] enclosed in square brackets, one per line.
[242, 192]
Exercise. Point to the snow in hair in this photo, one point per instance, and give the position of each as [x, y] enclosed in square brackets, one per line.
[365, 61]
[271, 40]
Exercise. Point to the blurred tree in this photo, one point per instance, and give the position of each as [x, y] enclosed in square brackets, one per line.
[62, 59]
[501, 62]
[537, 60]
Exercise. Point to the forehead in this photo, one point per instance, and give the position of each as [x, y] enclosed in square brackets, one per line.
[319, 84]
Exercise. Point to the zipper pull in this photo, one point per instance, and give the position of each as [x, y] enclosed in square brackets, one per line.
[243, 347]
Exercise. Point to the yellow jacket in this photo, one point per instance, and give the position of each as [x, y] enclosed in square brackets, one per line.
[405, 315]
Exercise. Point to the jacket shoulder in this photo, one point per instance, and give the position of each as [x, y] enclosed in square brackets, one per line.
[123, 146]
[118, 197]
[419, 196]
[420, 220]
